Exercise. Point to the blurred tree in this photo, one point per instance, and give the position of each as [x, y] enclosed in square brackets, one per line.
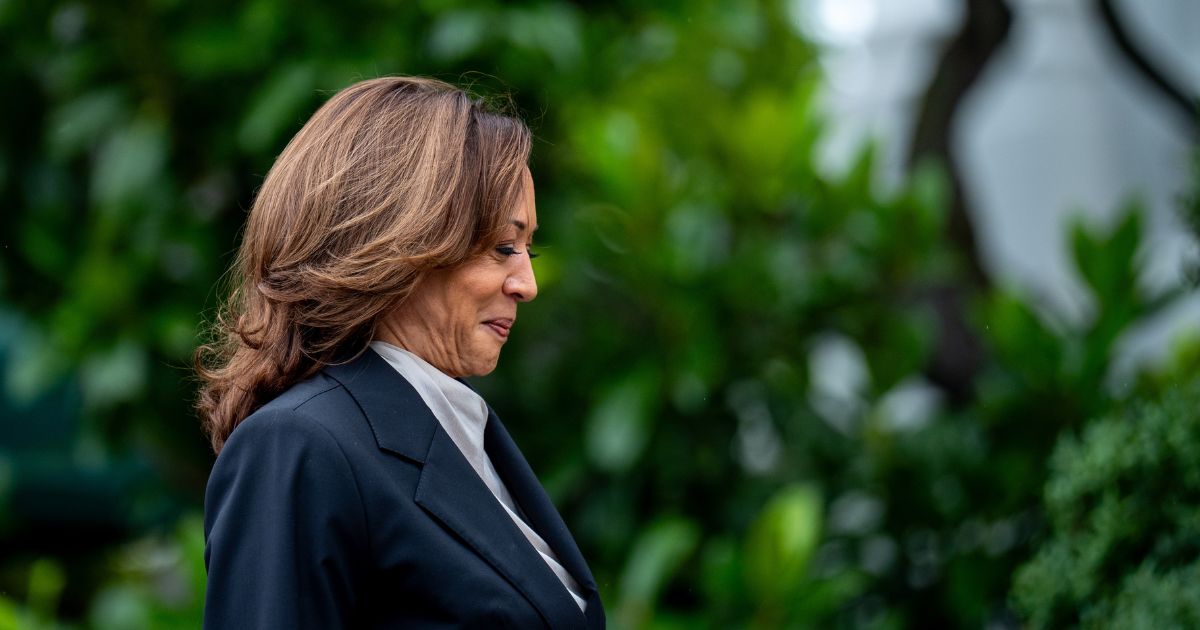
[961, 62]
[1122, 501]
[964, 57]
[724, 383]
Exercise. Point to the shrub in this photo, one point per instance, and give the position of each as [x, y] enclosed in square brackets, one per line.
[1123, 503]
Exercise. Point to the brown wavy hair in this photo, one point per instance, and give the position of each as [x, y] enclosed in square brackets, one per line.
[389, 178]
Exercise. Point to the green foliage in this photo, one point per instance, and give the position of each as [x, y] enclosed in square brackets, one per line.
[724, 383]
[158, 583]
[1075, 358]
[155, 582]
[45, 586]
[781, 543]
[1123, 502]
[778, 549]
[656, 555]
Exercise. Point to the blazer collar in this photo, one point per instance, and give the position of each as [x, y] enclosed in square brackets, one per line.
[452, 492]
[401, 422]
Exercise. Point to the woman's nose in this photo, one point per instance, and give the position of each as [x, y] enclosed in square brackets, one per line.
[520, 284]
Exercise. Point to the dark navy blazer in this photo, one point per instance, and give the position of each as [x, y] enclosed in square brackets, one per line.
[344, 504]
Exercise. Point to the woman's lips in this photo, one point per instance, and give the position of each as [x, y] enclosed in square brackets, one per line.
[500, 326]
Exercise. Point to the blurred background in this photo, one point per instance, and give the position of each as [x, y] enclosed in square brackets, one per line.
[853, 313]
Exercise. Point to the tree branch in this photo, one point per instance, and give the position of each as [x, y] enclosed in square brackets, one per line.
[963, 60]
[985, 28]
[1186, 104]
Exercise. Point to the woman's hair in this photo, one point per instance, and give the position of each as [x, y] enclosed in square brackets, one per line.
[390, 178]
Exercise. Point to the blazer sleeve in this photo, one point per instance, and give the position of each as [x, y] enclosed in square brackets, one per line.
[284, 527]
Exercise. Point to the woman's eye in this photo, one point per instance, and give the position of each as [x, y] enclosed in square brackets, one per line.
[509, 250]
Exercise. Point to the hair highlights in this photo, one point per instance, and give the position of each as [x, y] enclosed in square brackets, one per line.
[390, 178]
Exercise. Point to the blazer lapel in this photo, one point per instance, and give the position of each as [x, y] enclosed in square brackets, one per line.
[529, 494]
[449, 489]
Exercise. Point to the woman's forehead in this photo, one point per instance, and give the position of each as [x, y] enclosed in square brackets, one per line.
[525, 215]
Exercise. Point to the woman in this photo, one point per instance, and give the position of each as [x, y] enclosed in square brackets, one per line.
[359, 483]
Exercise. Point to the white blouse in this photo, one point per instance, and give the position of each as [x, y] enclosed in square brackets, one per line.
[463, 414]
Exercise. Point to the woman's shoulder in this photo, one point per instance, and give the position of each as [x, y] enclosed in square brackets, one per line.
[317, 409]
[309, 393]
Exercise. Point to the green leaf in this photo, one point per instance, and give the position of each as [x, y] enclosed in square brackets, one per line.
[781, 542]
[10, 614]
[46, 583]
[77, 124]
[34, 365]
[130, 162]
[619, 425]
[120, 606]
[656, 556]
[551, 28]
[1108, 261]
[115, 375]
[457, 34]
[859, 179]
[277, 108]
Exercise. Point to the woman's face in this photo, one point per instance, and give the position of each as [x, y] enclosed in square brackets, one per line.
[458, 319]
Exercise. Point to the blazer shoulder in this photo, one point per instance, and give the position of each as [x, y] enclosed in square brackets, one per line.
[288, 436]
[318, 407]
[302, 393]
[285, 522]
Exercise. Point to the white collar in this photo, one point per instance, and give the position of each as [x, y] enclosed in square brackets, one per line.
[463, 414]
[460, 411]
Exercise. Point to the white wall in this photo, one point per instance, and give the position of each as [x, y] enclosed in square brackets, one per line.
[1057, 128]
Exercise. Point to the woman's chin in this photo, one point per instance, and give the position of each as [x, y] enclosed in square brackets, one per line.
[483, 366]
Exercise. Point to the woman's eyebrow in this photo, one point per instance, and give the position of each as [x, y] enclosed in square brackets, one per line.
[521, 225]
